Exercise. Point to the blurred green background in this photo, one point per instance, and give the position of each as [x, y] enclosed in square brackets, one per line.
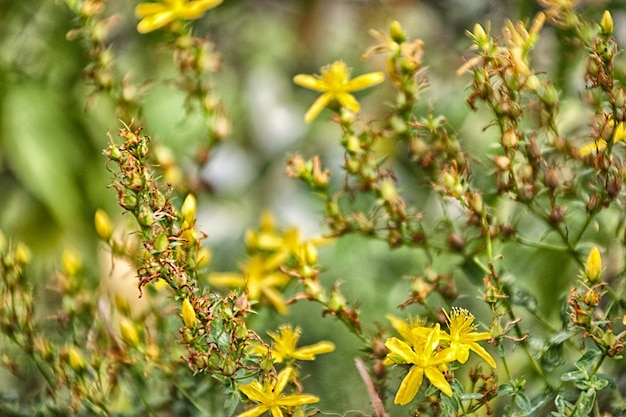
[52, 174]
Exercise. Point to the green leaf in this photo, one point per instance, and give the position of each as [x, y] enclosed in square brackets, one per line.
[585, 401]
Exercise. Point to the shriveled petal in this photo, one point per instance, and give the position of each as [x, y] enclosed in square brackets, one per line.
[436, 378]
[254, 391]
[147, 9]
[348, 100]
[480, 351]
[307, 353]
[296, 399]
[195, 9]
[364, 81]
[317, 106]
[311, 82]
[156, 21]
[399, 351]
[254, 412]
[227, 279]
[409, 386]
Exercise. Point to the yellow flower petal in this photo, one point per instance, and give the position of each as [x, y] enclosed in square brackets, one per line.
[480, 351]
[409, 386]
[297, 399]
[308, 353]
[227, 279]
[154, 22]
[254, 412]
[253, 391]
[436, 378]
[146, 9]
[364, 81]
[348, 100]
[592, 147]
[317, 106]
[309, 81]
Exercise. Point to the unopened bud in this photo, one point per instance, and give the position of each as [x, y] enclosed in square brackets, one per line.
[188, 210]
[76, 359]
[509, 138]
[103, 225]
[129, 332]
[161, 243]
[606, 24]
[532, 83]
[388, 190]
[22, 254]
[71, 262]
[396, 32]
[189, 314]
[593, 266]
[203, 257]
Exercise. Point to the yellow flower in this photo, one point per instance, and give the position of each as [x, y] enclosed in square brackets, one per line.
[462, 337]
[284, 346]
[593, 266]
[599, 144]
[271, 398]
[283, 244]
[521, 41]
[426, 360]
[157, 15]
[335, 84]
[261, 279]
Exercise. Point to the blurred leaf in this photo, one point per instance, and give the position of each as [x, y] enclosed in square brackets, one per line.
[40, 149]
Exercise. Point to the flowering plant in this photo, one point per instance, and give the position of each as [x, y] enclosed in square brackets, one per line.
[460, 262]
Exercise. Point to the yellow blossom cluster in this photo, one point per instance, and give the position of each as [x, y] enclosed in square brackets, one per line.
[429, 350]
[261, 275]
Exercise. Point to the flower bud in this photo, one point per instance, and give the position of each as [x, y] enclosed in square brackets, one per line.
[103, 225]
[606, 24]
[145, 216]
[76, 359]
[593, 266]
[532, 83]
[509, 138]
[70, 262]
[129, 332]
[396, 32]
[189, 314]
[388, 190]
[161, 243]
[188, 210]
[203, 257]
[22, 254]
